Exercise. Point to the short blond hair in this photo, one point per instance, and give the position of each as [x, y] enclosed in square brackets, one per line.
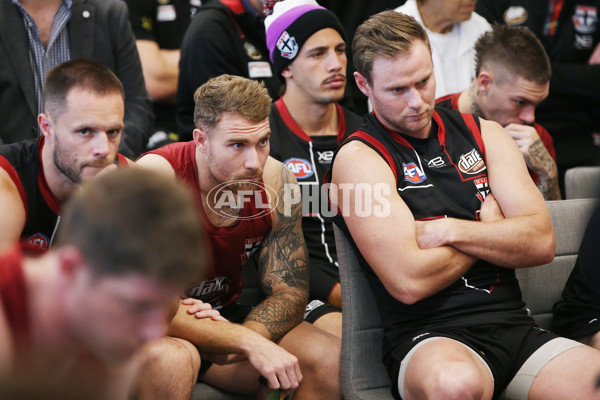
[387, 34]
[229, 93]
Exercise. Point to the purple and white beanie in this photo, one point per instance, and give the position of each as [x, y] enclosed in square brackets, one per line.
[291, 24]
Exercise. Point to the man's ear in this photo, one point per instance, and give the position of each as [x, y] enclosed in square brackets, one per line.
[70, 261]
[45, 123]
[485, 80]
[200, 139]
[362, 83]
[287, 72]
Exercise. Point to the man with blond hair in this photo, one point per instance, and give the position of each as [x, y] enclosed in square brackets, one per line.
[247, 203]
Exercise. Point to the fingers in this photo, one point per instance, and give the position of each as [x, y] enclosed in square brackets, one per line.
[201, 310]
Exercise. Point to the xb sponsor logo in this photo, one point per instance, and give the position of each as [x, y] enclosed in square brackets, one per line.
[300, 167]
[325, 157]
[437, 162]
[412, 173]
[229, 199]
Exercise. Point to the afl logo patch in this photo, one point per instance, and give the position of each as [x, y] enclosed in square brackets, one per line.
[515, 15]
[287, 45]
[300, 167]
[37, 241]
[413, 173]
[471, 163]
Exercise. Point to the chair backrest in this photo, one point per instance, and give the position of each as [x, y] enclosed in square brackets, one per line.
[542, 286]
[363, 375]
[582, 182]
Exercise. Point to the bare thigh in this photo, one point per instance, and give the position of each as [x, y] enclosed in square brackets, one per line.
[570, 375]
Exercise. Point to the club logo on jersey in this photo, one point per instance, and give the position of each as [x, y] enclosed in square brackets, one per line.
[471, 163]
[287, 45]
[437, 162]
[300, 167]
[585, 19]
[413, 173]
[482, 188]
[38, 241]
[250, 246]
[210, 290]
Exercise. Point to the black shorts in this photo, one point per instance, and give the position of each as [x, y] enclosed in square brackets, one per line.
[503, 347]
[316, 309]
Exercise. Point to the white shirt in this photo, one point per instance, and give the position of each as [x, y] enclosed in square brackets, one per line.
[452, 53]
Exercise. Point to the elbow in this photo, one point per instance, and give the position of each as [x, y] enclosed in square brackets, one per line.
[544, 250]
[407, 293]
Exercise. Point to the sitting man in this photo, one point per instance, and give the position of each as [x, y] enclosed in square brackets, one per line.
[577, 315]
[81, 130]
[72, 319]
[307, 125]
[513, 75]
[250, 204]
[442, 260]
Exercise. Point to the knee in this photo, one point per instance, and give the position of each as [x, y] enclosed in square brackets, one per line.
[323, 355]
[172, 355]
[457, 381]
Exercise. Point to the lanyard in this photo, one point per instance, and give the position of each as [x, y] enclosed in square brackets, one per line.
[554, 9]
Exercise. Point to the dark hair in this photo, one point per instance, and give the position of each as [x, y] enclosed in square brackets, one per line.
[78, 73]
[230, 93]
[135, 220]
[387, 34]
[516, 50]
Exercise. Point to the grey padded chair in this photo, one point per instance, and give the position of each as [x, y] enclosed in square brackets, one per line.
[542, 286]
[582, 182]
[363, 375]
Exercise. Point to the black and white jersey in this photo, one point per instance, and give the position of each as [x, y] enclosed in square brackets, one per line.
[309, 158]
[442, 176]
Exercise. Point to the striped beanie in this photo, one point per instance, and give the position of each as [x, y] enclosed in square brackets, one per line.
[291, 24]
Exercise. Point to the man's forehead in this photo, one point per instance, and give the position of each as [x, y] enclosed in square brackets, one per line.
[233, 123]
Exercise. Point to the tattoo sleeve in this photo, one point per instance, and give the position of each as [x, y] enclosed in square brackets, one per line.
[283, 262]
[542, 163]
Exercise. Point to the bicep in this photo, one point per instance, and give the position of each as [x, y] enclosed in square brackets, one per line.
[283, 260]
[12, 212]
[508, 178]
[385, 232]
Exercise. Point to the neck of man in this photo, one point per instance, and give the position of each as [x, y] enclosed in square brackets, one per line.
[42, 12]
[434, 20]
[316, 119]
[468, 101]
[59, 184]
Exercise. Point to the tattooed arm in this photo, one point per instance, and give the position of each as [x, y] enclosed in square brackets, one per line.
[283, 260]
[537, 158]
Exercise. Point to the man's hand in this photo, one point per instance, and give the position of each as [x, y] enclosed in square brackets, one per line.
[280, 368]
[200, 309]
[431, 233]
[490, 209]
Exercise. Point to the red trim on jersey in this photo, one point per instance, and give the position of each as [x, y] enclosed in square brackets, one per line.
[453, 100]
[44, 188]
[470, 121]
[295, 128]
[234, 5]
[441, 129]
[384, 152]
[14, 176]
[122, 161]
